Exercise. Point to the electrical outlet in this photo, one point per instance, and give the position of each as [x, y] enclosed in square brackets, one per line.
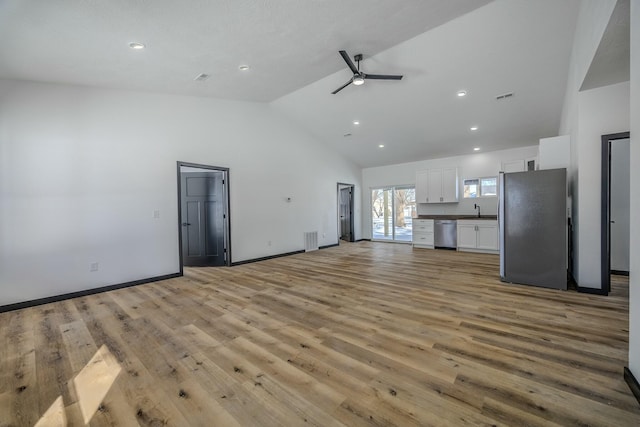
[94, 266]
[156, 214]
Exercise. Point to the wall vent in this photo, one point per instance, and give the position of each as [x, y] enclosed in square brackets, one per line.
[202, 77]
[504, 96]
[311, 241]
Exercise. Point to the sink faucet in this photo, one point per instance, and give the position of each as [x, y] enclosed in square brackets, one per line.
[477, 206]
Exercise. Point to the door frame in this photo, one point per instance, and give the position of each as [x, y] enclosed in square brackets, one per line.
[605, 217]
[227, 215]
[340, 186]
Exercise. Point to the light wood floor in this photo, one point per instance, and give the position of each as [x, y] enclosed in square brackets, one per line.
[361, 334]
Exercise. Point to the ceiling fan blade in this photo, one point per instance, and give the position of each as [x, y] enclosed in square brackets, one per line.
[381, 77]
[342, 87]
[349, 62]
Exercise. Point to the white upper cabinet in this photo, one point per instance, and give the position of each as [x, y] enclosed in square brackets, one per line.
[555, 152]
[437, 186]
[449, 185]
[422, 186]
[513, 166]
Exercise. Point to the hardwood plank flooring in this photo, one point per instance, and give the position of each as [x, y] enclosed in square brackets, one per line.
[364, 334]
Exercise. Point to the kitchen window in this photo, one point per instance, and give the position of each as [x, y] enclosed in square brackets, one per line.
[480, 187]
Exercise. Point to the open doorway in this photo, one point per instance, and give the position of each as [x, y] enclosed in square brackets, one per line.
[345, 212]
[203, 215]
[615, 220]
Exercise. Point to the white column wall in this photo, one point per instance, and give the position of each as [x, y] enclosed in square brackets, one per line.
[601, 111]
[592, 21]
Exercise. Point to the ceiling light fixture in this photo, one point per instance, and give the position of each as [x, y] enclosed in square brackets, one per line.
[476, 149]
[473, 128]
[358, 80]
[381, 146]
[136, 46]
[355, 122]
[462, 93]
[243, 68]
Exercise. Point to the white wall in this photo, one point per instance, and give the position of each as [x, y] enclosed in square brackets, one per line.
[470, 166]
[82, 170]
[601, 111]
[592, 21]
[634, 276]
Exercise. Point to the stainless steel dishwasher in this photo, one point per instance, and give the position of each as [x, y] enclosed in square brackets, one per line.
[446, 235]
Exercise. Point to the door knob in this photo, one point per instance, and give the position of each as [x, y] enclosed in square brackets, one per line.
[184, 224]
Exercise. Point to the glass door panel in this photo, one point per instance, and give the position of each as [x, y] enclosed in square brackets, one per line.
[392, 211]
[381, 209]
[405, 208]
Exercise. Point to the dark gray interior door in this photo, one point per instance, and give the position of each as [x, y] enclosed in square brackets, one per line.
[619, 205]
[202, 205]
[345, 214]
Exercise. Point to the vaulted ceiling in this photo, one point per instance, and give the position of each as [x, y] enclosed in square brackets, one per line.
[486, 48]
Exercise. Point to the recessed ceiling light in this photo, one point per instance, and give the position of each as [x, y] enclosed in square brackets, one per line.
[137, 46]
[381, 146]
[243, 68]
[473, 128]
[476, 149]
[355, 122]
[462, 93]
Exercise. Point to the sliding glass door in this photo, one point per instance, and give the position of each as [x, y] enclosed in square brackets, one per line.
[392, 212]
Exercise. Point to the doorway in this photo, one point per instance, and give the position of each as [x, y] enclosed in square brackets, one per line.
[345, 212]
[203, 215]
[615, 208]
[392, 213]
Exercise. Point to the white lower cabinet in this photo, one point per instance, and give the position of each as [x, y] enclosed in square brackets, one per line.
[467, 235]
[422, 231]
[478, 235]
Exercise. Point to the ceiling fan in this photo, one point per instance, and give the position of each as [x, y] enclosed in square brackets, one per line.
[358, 76]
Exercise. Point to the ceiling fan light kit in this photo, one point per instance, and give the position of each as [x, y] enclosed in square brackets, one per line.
[358, 76]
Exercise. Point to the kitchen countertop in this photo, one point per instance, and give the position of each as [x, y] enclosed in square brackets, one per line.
[470, 217]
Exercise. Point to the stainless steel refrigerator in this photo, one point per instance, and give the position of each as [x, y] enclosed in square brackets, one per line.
[532, 217]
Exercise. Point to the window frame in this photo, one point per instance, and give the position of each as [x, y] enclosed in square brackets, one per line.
[479, 191]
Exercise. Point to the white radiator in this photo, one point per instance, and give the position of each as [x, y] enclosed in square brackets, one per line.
[311, 241]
